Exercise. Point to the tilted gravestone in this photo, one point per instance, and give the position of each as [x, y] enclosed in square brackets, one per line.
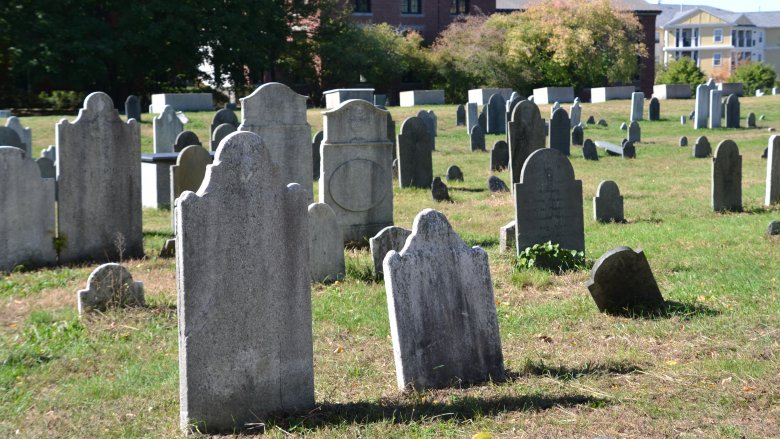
[621, 281]
[25, 134]
[715, 109]
[683, 141]
[440, 302]
[189, 171]
[222, 116]
[326, 244]
[9, 137]
[589, 151]
[732, 111]
[439, 191]
[166, 127]
[133, 108]
[471, 116]
[526, 135]
[751, 120]
[560, 137]
[99, 184]
[634, 132]
[315, 154]
[185, 139]
[460, 115]
[702, 108]
[110, 286]
[637, 106]
[430, 125]
[496, 114]
[389, 238]
[415, 161]
[773, 171]
[220, 133]
[575, 114]
[245, 321]
[496, 184]
[702, 148]
[454, 173]
[499, 156]
[577, 135]
[608, 203]
[27, 226]
[477, 138]
[727, 177]
[548, 202]
[356, 178]
[654, 109]
[47, 167]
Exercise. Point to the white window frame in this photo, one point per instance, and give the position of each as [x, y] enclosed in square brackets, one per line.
[715, 37]
[717, 59]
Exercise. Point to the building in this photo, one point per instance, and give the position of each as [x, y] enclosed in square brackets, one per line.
[718, 40]
[428, 17]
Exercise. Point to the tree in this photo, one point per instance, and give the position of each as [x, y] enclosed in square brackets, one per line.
[754, 76]
[682, 71]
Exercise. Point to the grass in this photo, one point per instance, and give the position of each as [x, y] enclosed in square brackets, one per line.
[706, 366]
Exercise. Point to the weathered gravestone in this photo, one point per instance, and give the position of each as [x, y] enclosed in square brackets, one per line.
[715, 109]
[315, 154]
[560, 137]
[415, 161]
[577, 135]
[727, 177]
[637, 106]
[555, 107]
[27, 218]
[326, 244]
[99, 184]
[442, 312]
[110, 286]
[702, 110]
[356, 177]
[751, 120]
[133, 108]
[496, 184]
[608, 203]
[25, 134]
[683, 141]
[602, 123]
[471, 116]
[499, 156]
[591, 120]
[702, 148]
[589, 151]
[189, 171]
[245, 333]
[773, 171]
[654, 109]
[50, 153]
[634, 132]
[454, 173]
[430, 126]
[222, 116]
[47, 167]
[496, 114]
[506, 238]
[622, 282]
[477, 138]
[166, 127]
[683, 120]
[514, 99]
[482, 118]
[773, 228]
[548, 202]
[391, 134]
[732, 111]
[220, 133]
[526, 135]
[9, 137]
[185, 139]
[575, 114]
[439, 191]
[389, 238]
[460, 115]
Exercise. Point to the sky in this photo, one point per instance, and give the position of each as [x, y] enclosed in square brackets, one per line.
[729, 5]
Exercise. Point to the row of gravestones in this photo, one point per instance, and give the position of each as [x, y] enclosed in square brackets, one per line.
[710, 108]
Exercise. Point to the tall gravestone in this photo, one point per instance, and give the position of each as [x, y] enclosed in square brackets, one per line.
[577, 135]
[389, 238]
[415, 162]
[732, 111]
[702, 108]
[220, 133]
[315, 154]
[477, 138]
[773, 171]
[548, 202]
[25, 133]
[514, 99]
[185, 139]
[442, 312]
[499, 156]
[727, 177]
[27, 206]
[496, 114]
[589, 151]
[460, 115]
[654, 109]
[189, 171]
[526, 135]
[608, 203]
[166, 127]
[471, 116]
[560, 137]
[430, 123]
[637, 106]
[326, 245]
[244, 297]
[634, 132]
[278, 115]
[133, 108]
[715, 108]
[99, 184]
[575, 113]
[356, 177]
[225, 115]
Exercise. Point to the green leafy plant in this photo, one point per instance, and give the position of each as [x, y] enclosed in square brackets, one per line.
[550, 256]
[682, 71]
[754, 75]
[62, 99]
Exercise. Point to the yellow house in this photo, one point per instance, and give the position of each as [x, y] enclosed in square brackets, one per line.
[718, 40]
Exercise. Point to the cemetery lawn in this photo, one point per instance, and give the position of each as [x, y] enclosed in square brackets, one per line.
[708, 366]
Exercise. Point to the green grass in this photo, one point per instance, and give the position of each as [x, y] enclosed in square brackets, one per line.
[707, 366]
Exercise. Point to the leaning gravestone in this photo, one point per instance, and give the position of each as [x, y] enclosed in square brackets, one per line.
[9, 137]
[727, 177]
[715, 109]
[732, 111]
[702, 148]
[477, 138]
[166, 127]
[621, 281]
[440, 301]
[110, 286]
[577, 135]
[47, 167]
[415, 161]
[315, 154]
[471, 116]
[326, 245]
[27, 225]
[99, 184]
[654, 109]
[245, 322]
[389, 238]
[608, 203]
[637, 106]
[589, 151]
[751, 120]
[499, 156]
[702, 110]
[526, 135]
[189, 171]
[460, 115]
[356, 178]
[185, 139]
[278, 115]
[548, 202]
[772, 171]
[25, 133]
[496, 114]
[430, 125]
[634, 132]
[222, 116]
[575, 114]
[133, 108]
[439, 191]
[560, 137]
[454, 173]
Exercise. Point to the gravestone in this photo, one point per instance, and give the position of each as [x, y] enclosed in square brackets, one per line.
[773, 171]
[278, 115]
[773, 228]
[47, 167]
[326, 244]
[439, 190]
[440, 302]
[315, 154]
[27, 205]
[727, 177]
[637, 106]
[622, 281]
[623, 126]
[133, 108]
[99, 184]
[245, 321]
[555, 106]
[9, 137]
[692, 115]
[548, 202]
[702, 110]
[506, 238]
[751, 120]
[391, 134]
[389, 238]
[602, 123]
[454, 173]
[575, 114]
[415, 162]
[495, 184]
[222, 116]
[702, 148]
[654, 109]
[356, 178]
[430, 125]
[683, 120]
[220, 133]
[496, 114]
[189, 171]
[560, 136]
[608, 203]
[110, 286]
[25, 134]
[715, 109]
[185, 139]
[482, 119]
[460, 115]
[591, 120]
[732, 111]
[471, 116]
[166, 127]
[50, 153]
[589, 151]
[634, 132]
[683, 141]
[514, 99]
[477, 138]
[499, 156]
[526, 135]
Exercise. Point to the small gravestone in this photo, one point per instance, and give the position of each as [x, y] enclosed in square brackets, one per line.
[608, 203]
[326, 244]
[133, 108]
[762, 117]
[577, 135]
[439, 190]
[629, 150]
[415, 162]
[634, 132]
[773, 172]
[220, 133]
[621, 281]
[683, 120]
[47, 168]
[526, 135]
[471, 116]
[496, 114]
[506, 238]
[727, 177]
[166, 127]
[25, 133]
[771, 129]
[477, 138]
[602, 123]
[110, 286]
[440, 300]
[495, 184]
[460, 115]
[683, 141]
[654, 109]
[715, 109]
[185, 139]
[702, 148]
[773, 229]
[189, 171]
[591, 120]
[751, 120]
[499, 156]
[589, 151]
[315, 154]
[575, 113]
[732, 111]
[50, 153]
[9, 137]
[637, 106]
[454, 173]
[222, 116]
[389, 238]
[168, 249]
[623, 126]
[482, 119]
[560, 137]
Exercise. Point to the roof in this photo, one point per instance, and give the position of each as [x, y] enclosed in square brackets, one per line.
[674, 13]
[630, 5]
[764, 19]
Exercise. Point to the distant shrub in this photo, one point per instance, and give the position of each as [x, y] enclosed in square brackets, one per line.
[754, 76]
[62, 99]
[682, 71]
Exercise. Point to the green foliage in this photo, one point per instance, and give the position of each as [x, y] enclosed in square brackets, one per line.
[754, 75]
[62, 99]
[682, 71]
[551, 257]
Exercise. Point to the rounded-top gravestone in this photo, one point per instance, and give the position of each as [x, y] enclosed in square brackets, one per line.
[454, 173]
[185, 139]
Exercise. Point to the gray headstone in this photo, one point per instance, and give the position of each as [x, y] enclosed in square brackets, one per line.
[496, 114]
[25, 133]
[608, 203]
[773, 171]
[702, 148]
[47, 168]
[391, 134]
[623, 126]
[477, 138]
[499, 156]
[589, 151]
[99, 184]
[415, 161]
[471, 116]
[110, 286]
[727, 177]
[380, 100]
[9, 137]
[460, 115]
[591, 120]
[683, 141]
[439, 190]
[495, 184]
[315, 154]
[27, 224]
[482, 119]
[751, 120]
[732, 111]
[166, 127]
[356, 178]
[555, 107]
[560, 137]
[637, 106]
[575, 114]
[654, 109]
[185, 139]
[602, 123]
[133, 108]
[526, 135]
[702, 108]
[189, 171]
[389, 238]
[430, 125]
[326, 244]
[245, 321]
[50, 153]
[548, 202]
[715, 108]
[683, 120]
[506, 238]
[168, 249]
[440, 301]
[692, 115]
[622, 281]
[514, 99]
[224, 115]
[634, 132]
[773, 229]
[220, 133]
[454, 173]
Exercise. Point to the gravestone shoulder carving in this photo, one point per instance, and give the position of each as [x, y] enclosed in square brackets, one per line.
[110, 286]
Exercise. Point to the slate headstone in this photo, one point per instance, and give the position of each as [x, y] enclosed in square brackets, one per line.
[702, 107]
[602, 123]
[495, 184]
[715, 109]
[439, 190]
[482, 119]
[621, 281]
[9, 137]
[608, 203]
[702, 148]
[110, 286]
[634, 132]
[189, 171]
[220, 133]
[25, 134]
[222, 116]
[50, 153]
[326, 244]
[637, 106]
[727, 177]
[575, 114]
[623, 126]
[389, 238]
[454, 173]
[683, 120]
[471, 116]
[526, 135]
[166, 126]
[415, 162]
[683, 141]
[732, 111]
[772, 195]
[429, 124]
[315, 154]
[751, 120]
[654, 109]
[560, 136]
[496, 114]
[591, 120]
[589, 151]
[133, 108]
[185, 139]
[499, 156]
[460, 115]
[477, 138]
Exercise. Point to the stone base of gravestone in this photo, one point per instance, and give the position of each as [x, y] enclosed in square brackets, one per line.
[622, 282]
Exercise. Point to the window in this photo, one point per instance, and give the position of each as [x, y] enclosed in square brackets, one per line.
[760, 37]
[411, 6]
[718, 35]
[362, 6]
[716, 59]
[459, 7]
[657, 37]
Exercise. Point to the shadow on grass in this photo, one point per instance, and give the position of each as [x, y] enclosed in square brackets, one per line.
[668, 310]
[569, 373]
[466, 189]
[157, 234]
